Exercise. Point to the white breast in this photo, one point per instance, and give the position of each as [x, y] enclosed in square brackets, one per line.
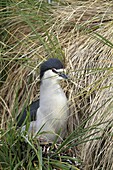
[53, 112]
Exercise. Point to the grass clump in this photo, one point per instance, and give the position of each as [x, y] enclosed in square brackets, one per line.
[80, 34]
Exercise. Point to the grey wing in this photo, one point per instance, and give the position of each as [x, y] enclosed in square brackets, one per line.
[32, 109]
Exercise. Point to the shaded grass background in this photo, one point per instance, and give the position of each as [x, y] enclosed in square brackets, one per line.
[81, 35]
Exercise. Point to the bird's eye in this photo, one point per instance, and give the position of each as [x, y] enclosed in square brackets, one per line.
[54, 70]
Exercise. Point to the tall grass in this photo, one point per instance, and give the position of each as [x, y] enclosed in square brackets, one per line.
[81, 36]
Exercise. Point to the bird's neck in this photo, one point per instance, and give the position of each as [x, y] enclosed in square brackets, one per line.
[51, 95]
[49, 87]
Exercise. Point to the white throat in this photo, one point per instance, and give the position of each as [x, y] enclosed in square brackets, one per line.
[52, 97]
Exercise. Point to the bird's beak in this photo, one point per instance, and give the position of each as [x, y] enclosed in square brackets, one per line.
[63, 75]
[60, 73]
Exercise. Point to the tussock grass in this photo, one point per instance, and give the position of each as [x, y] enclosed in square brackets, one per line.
[80, 34]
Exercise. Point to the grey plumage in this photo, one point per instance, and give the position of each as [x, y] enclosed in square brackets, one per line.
[32, 109]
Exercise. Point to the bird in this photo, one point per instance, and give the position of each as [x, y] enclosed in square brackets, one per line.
[50, 112]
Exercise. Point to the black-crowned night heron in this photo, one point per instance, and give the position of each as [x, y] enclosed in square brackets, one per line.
[50, 112]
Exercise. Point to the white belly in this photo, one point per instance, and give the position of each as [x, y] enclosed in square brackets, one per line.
[53, 118]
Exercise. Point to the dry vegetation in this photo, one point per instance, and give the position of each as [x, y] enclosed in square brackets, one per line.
[80, 34]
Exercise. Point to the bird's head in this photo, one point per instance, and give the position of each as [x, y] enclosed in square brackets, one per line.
[52, 68]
